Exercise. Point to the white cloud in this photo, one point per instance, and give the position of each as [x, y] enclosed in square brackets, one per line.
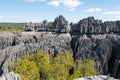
[31, 1]
[28, 0]
[98, 9]
[54, 3]
[117, 17]
[68, 4]
[71, 4]
[42, 0]
[91, 10]
[1, 17]
[72, 9]
[112, 12]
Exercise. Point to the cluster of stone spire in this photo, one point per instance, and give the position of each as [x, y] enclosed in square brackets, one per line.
[60, 24]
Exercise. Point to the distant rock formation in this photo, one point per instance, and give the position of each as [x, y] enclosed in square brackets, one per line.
[59, 25]
[89, 38]
[100, 77]
[94, 26]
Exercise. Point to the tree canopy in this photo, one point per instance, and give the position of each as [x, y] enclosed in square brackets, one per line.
[40, 66]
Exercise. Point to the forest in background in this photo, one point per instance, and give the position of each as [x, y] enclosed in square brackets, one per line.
[13, 27]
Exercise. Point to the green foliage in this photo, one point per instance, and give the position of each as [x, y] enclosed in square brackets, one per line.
[28, 70]
[64, 58]
[87, 67]
[14, 27]
[84, 68]
[61, 66]
[76, 74]
[41, 66]
[42, 60]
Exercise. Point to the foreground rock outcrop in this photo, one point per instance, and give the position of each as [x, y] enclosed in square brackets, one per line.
[94, 39]
[10, 76]
[13, 46]
[88, 39]
[100, 77]
[103, 48]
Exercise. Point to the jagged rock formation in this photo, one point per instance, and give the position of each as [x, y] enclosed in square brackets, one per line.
[99, 41]
[13, 46]
[10, 76]
[60, 24]
[89, 38]
[100, 77]
[103, 48]
[91, 26]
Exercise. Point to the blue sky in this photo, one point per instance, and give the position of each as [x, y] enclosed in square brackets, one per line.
[72, 10]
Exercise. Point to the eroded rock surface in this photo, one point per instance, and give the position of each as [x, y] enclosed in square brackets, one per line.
[94, 39]
[103, 48]
[30, 43]
[100, 77]
[94, 26]
[10, 76]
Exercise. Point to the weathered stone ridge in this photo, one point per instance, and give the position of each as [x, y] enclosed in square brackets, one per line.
[103, 48]
[29, 43]
[60, 24]
[94, 26]
[94, 39]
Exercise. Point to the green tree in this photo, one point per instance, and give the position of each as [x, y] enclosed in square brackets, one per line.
[41, 66]
[62, 64]
[84, 68]
[28, 70]
[65, 58]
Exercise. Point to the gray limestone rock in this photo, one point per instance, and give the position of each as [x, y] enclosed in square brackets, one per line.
[30, 43]
[94, 26]
[100, 77]
[10, 76]
[60, 25]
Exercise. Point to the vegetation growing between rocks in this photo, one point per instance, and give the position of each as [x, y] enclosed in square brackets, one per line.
[41, 66]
